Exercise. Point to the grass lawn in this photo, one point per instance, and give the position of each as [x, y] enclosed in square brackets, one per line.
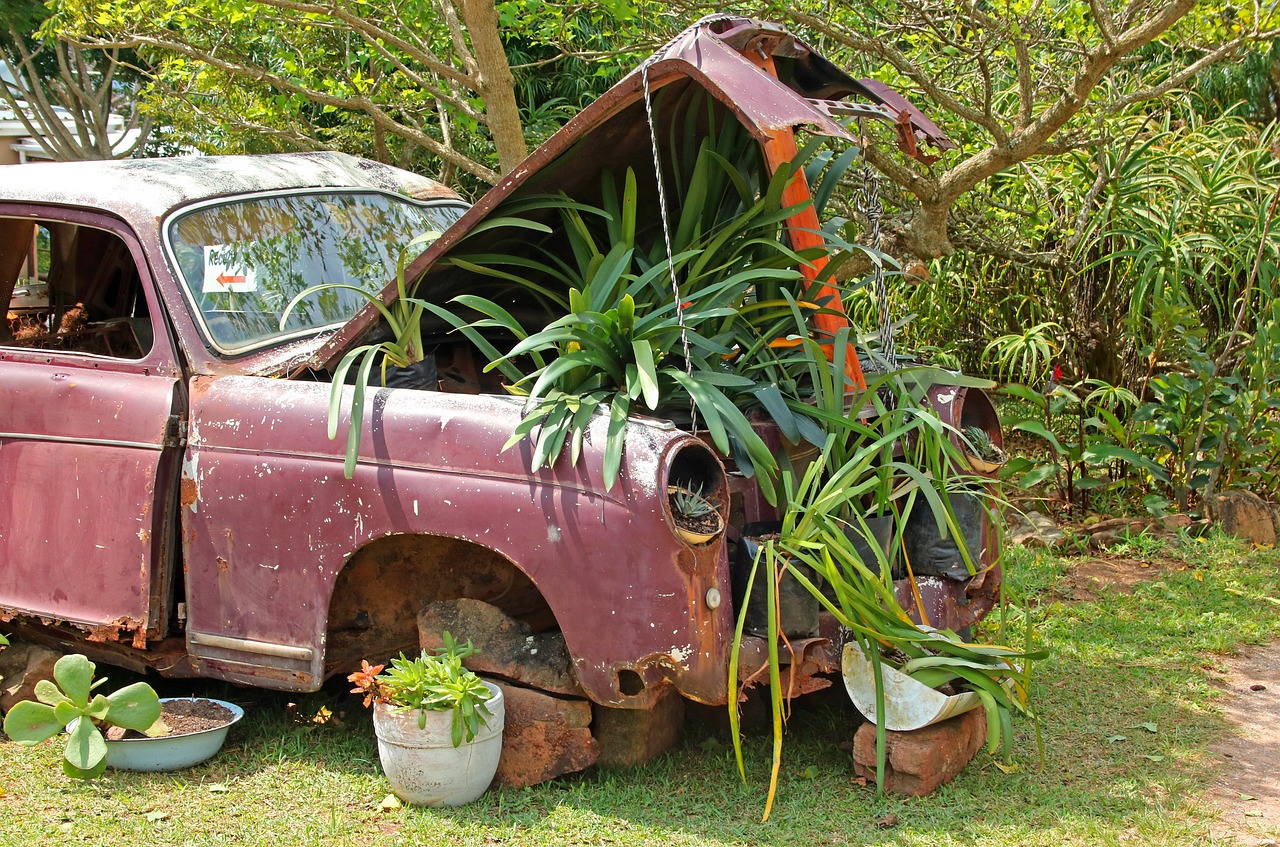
[1128, 708]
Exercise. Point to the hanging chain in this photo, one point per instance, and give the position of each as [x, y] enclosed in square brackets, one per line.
[666, 237]
[868, 203]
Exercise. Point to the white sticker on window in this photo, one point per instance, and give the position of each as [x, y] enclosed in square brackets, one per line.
[223, 273]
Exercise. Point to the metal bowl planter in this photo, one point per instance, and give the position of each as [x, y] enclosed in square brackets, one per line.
[423, 766]
[171, 752]
[699, 537]
[692, 536]
[908, 703]
[987, 467]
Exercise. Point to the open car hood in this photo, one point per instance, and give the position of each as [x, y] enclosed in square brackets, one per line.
[613, 133]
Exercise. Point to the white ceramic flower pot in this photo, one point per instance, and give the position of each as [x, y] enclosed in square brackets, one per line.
[424, 767]
[908, 704]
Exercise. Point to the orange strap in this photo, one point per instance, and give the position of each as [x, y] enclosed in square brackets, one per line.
[803, 227]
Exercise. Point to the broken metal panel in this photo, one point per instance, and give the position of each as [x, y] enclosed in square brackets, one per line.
[269, 523]
[612, 132]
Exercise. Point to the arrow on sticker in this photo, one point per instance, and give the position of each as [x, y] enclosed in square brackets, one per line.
[228, 279]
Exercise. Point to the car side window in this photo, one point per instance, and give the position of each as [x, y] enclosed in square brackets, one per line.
[73, 288]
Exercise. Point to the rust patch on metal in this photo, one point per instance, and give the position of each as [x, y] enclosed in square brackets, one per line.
[222, 564]
[802, 661]
[114, 630]
[296, 679]
[190, 492]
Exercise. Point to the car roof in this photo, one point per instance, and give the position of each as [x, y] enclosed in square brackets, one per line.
[144, 190]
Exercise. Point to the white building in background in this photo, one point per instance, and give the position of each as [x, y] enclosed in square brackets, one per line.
[18, 146]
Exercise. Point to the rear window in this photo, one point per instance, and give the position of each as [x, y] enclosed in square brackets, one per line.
[242, 262]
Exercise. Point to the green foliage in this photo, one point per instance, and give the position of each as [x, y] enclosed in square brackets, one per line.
[432, 683]
[982, 445]
[1025, 356]
[70, 702]
[1081, 426]
[1199, 429]
[632, 338]
[827, 510]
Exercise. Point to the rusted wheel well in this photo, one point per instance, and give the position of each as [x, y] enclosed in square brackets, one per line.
[374, 607]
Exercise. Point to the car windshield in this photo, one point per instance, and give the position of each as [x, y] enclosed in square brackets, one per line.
[242, 262]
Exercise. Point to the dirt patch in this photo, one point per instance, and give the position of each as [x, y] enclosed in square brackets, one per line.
[1089, 576]
[1246, 789]
[183, 717]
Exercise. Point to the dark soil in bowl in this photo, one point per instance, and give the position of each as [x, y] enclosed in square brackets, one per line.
[183, 717]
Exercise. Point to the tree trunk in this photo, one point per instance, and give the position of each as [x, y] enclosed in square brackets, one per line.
[926, 237]
[494, 82]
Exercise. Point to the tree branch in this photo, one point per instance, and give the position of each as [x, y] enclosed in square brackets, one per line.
[359, 103]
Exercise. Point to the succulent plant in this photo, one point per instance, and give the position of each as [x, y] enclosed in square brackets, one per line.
[690, 502]
[981, 445]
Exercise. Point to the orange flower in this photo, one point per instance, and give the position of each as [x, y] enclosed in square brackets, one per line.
[366, 681]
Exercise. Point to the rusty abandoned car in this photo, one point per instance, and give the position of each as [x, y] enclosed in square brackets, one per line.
[170, 497]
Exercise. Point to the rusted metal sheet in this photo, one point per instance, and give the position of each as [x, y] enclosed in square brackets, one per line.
[801, 660]
[81, 451]
[269, 523]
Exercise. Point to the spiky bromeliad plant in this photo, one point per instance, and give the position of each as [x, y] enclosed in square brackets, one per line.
[631, 340]
[70, 702]
[404, 349]
[859, 473]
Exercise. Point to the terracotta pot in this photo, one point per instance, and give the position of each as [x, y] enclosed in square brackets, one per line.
[424, 767]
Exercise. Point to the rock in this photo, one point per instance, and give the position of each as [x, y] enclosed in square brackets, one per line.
[919, 761]
[1275, 520]
[22, 665]
[630, 737]
[505, 647]
[1132, 526]
[1173, 523]
[1106, 533]
[1033, 529]
[544, 737]
[1244, 515]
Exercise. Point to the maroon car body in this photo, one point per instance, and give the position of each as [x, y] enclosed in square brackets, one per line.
[169, 495]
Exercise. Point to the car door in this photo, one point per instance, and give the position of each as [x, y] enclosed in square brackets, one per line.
[89, 427]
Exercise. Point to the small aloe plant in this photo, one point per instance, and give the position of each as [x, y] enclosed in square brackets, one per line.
[70, 702]
[690, 503]
[982, 445]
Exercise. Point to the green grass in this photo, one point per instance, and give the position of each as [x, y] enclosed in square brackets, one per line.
[1122, 665]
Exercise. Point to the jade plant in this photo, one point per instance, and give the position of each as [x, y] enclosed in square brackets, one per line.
[69, 702]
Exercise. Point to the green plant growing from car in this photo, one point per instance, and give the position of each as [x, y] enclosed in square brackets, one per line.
[689, 502]
[626, 342]
[404, 349]
[70, 702]
[860, 476]
[980, 441]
